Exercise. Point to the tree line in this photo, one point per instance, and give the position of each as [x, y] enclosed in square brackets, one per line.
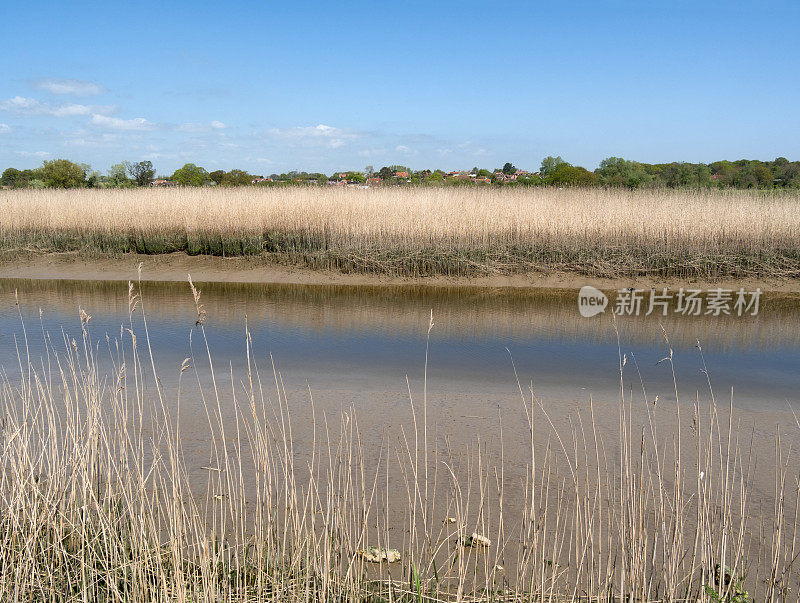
[553, 171]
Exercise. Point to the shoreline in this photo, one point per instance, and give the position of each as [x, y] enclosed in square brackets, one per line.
[175, 267]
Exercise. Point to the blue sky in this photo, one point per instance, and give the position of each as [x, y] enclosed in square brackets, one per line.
[271, 87]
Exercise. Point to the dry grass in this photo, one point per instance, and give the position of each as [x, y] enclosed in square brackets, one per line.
[96, 503]
[419, 232]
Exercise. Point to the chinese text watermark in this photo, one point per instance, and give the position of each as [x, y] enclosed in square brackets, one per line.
[684, 301]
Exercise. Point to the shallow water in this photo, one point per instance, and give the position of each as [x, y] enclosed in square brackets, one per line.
[360, 340]
[364, 348]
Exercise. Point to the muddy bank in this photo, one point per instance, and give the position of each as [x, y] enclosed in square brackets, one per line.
[175, 267]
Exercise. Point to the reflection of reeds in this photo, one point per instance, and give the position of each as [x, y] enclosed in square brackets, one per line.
[96, 501]
[547, 314]
[417, 232]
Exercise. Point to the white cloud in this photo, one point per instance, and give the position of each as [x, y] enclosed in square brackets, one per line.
[191, 127]
[33, 154]
[472, 149]
[401, 148]
[4, 128]
[67, 110]
[73, 87]
[320, 135]
[194, 126]
[27, 107]
[371, 152]
[22, 105]
[115, 123]
[104, 140]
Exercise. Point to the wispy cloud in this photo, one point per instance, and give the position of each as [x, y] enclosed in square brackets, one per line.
[193, 126]
[26, 107]
[33, 153]
[115, 123]
[71, 87]
[4, 128]
[105, 139]
[371, 152]
[320, 135]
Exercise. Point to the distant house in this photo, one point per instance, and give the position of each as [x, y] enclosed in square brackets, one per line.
[162, 182]
[374, 181]
[401, 174]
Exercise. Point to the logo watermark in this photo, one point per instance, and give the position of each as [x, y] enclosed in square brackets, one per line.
[687, 302]
[591, 301]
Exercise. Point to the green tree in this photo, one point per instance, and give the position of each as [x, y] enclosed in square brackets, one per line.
[62, 173]
[616, 171]
[15, 178]
[509, 168]
[549, 164]
[217, 176]
[565, 174]
[117, 176]
[142, 172]
[190, 175]
[787, 173]
[436, 177]
[237, 178]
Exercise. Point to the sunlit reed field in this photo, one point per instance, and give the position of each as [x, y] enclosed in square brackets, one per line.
[97, 504]
[425, 231]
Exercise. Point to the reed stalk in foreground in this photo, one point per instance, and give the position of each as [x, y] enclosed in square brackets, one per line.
[419, 232]
[98, 504]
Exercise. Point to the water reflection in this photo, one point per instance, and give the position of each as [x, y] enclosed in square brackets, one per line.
[354, 337]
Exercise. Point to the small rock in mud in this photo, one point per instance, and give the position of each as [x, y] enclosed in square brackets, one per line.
[374, 554]
[475, 540]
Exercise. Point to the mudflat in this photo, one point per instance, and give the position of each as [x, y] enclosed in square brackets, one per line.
[213, 269]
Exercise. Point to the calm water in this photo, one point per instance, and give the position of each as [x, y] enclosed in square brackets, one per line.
[363, 340]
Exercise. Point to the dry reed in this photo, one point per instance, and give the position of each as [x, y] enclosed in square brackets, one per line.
[425, 231]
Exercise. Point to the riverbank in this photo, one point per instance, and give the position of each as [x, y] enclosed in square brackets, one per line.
[174, 267]
[485, 237]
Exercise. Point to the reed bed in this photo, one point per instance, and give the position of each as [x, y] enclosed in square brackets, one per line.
[425, 231]
[97, 504]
